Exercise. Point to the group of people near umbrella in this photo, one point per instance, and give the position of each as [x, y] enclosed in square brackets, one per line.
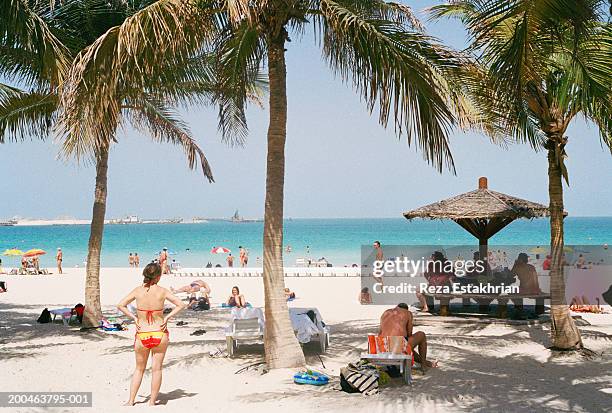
[30, 260]
[243, 255]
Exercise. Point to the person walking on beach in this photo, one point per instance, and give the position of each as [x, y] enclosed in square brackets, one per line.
[152, 335]
[131, 260]
[59, 257]
[163, 260]
[230, 260]
[136, 260]
[379, 257]
[36, 264]
[243, 257]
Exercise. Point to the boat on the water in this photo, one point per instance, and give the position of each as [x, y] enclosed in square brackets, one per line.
[8, 223]
[236, 218]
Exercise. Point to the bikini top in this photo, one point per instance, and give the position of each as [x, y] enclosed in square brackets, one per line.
[149, 314]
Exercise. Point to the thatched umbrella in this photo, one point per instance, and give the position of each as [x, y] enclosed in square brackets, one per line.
[483, 213]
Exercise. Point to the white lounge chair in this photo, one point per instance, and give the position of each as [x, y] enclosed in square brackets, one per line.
[321, 333]
[247, 325]
[243, 330]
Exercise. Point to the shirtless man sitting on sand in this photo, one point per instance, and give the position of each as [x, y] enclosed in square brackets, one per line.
[398, 322]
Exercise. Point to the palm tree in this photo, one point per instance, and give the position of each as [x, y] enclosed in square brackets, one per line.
[542, 63]
[38, 42]
[376, 46]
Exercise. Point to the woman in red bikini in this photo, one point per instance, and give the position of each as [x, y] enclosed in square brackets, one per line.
[151, 328]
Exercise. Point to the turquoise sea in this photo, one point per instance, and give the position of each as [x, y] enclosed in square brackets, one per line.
[338, 240]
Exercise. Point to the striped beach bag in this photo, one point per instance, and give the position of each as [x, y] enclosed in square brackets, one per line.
[360, 377]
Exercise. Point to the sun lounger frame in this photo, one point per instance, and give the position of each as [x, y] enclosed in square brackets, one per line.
[246, 329]
[249, 329]
[403, 361]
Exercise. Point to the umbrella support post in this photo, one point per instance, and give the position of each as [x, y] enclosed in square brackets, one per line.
[539, 306]
[444, 310]
[445, 307]
[502, 311]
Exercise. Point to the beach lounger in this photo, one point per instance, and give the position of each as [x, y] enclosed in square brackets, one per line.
[65, 313]
[247, 325]
[308, 331]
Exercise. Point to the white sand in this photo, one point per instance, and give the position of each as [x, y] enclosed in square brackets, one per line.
[483, 366]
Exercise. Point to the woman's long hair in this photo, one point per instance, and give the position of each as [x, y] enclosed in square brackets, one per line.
[151, 273]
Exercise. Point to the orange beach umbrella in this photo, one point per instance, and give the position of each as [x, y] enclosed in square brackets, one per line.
[34, 252]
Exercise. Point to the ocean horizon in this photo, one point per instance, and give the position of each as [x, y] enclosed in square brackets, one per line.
[338, 240]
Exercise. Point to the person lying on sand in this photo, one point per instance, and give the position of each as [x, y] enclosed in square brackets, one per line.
[398, 322]
[236, 299]
[289, 295]
[582, 305]
[197, 286]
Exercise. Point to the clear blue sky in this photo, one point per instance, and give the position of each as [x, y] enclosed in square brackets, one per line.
[340, 162]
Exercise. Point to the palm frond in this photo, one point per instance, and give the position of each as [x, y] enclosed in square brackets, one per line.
[129, 57]
[391, 11]
[398, 71]
[162, 124]
[241, 50]
[24, 114]
[22, 28]
[543, 61]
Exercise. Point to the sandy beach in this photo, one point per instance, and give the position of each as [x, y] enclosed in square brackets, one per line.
[484, 366]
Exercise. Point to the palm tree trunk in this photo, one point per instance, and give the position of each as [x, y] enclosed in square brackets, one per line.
[93, 310]
[282, 347]
[564, 333]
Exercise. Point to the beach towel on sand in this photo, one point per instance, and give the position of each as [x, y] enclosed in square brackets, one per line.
[304, 327]
[360, 377]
